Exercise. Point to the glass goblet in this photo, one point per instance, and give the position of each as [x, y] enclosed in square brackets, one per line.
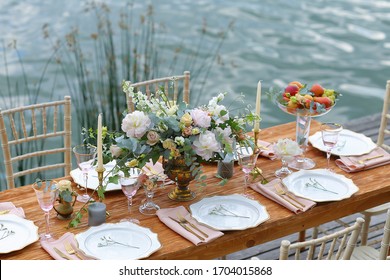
[85, 156]
[150, 186]
[247, 160]
[46, 193]
[284, 170]
[330, 133]
[130, 186]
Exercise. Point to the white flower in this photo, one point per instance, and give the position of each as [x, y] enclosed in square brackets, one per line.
[172, 110]
[226, 135]
[200, 117]
[206, 145]
[217, 111]
[64, 185]
[136, 124]
[287, 147]
[179, 140]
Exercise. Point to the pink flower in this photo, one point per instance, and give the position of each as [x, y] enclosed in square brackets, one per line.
[200, 118]
[206, 145]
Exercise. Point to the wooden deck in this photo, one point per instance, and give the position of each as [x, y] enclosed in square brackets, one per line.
[369, 126]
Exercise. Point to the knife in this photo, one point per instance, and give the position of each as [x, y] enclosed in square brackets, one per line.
[61, 254]
[187, 228]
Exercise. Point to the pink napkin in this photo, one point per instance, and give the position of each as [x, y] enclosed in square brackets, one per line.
[164, 214]
[9, 206]
[49, 245]
[266, 149]
[268, 190]
[351, 163]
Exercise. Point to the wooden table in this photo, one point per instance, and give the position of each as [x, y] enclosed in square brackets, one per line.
[374, 189]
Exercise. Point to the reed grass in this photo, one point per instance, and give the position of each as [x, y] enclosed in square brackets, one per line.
[92, 69]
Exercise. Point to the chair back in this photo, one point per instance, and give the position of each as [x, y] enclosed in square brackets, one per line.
[384, 130]
[385, 243]
[31, 139]
[169, 84]
[338, 245]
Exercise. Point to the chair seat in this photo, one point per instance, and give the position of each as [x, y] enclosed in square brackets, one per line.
[365, 253]
[381, 208]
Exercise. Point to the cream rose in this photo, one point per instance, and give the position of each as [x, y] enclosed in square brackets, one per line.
[136, 124]
[186, 120]
[153, 138]
[64, 185]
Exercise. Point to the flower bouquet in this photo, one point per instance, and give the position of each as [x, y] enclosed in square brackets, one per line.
[159, 129]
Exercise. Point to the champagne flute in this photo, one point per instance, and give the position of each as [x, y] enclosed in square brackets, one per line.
[247, 160]
[46, 193]
[85, 155]
[330, 133]
[130, 186]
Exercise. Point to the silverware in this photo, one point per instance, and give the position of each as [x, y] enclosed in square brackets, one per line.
[4, 212]
[187, 228]
[283, 194]
[369, 158]
[72, 251]
[184, 220]
[61, 254]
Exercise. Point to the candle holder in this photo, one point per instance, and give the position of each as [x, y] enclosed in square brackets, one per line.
[256, 148]
[100, 188]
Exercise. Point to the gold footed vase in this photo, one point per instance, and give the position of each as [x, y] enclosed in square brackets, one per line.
[177, 170]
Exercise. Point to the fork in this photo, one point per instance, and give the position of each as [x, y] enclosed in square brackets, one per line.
[280, 191]
[72, 251]
[184, 220]
[369, 158]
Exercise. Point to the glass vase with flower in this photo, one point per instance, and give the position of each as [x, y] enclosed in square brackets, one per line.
[286, 149]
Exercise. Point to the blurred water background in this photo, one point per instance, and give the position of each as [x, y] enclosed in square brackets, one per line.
[340, 44]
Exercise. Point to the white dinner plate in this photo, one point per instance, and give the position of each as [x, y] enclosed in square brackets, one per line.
[93, 181]
[120, 241]
[349, 143]
[16, 233]
[330, 187]
[230, 212]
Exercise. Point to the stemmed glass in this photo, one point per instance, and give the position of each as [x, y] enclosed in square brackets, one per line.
[47, 193]
[150, 186]
[85, 156]
[247, 160]
[330, 133]
[130, 187]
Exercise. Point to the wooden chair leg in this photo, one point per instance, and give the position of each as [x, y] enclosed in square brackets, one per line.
[302, 236]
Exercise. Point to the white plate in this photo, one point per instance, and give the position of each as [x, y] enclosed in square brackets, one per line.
[349, 143]
[237, 204]
[24, 231]
[337, 187]
[125, 233]
[93, 181]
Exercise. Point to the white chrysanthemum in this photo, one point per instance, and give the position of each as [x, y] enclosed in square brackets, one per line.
[206, 145]
[136, 124]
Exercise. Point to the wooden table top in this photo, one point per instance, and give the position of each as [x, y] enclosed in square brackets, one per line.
[374, 189]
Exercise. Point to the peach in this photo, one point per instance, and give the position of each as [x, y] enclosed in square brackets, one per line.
[292, 89]
[324, 100]
[298, 84]
[317, 89]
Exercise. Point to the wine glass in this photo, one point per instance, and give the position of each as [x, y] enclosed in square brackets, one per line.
[247, 160]
[46, 193]
[130, 187]
[330, 133]
[85, 156]
[150, 186]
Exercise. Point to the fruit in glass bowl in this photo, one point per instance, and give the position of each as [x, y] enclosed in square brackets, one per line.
[314, 100]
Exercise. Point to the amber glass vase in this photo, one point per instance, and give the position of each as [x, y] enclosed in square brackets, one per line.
[177, 170]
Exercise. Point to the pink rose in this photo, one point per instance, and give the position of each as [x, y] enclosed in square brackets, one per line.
[201, 118]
